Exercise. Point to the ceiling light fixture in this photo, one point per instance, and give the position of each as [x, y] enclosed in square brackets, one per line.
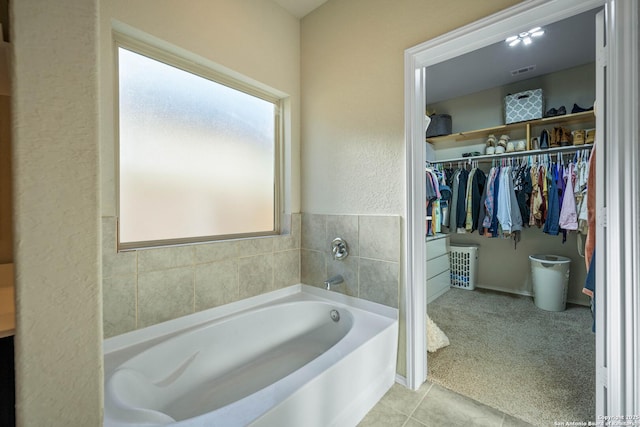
[525, 37]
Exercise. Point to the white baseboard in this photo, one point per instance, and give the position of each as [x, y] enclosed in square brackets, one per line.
[524, 293]
[437, 294]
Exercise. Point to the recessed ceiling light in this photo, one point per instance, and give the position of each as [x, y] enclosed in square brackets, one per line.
[525, 37]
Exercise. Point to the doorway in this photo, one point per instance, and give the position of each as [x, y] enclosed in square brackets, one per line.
[506, 351]
[478, 35]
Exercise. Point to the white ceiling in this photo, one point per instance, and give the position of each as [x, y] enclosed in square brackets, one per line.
[299, 8]
[564, 44]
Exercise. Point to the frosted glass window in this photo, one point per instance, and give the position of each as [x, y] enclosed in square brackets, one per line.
[197, 159]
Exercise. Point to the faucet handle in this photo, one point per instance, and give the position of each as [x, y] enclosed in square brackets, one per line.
[339, 248]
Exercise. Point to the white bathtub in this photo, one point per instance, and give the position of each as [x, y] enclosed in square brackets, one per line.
[278, 359]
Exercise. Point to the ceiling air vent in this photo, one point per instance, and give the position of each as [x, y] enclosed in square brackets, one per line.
[523, 70]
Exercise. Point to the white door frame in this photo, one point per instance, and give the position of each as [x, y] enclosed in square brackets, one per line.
[618, 218]
[621, 342]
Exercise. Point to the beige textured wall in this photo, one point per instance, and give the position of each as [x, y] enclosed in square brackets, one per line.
[256, 39]
[353, 104]
[6, 208]
[352, 70]
[58, 339]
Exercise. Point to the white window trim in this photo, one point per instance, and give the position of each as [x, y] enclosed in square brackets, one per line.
[205, 69]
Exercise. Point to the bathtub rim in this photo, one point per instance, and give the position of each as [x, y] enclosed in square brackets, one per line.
[122, 347]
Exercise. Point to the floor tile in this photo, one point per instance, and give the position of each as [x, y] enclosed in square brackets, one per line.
[383, 416]
[412, 422]
[442, 407]
[433, 405]
[403, 399]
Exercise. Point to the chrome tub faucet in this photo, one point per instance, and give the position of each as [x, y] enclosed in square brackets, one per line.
[333, 281]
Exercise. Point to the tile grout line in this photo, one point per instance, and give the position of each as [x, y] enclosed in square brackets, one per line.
[419, 403]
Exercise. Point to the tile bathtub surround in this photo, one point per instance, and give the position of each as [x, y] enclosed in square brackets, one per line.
[372, 269]
[164, 295]
[119, 304]
[145, 287]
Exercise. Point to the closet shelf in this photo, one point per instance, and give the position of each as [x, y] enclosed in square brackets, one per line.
[515, 154]
[567, 119]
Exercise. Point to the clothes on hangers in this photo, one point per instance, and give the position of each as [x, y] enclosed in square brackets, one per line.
[438, 196]
[508, 214]
[551, 224]
[489, 200]
[468, 220]
[538, 190]
[590, 245]
[522, 187]
[474, 196]
[504, 200]
[433, 196]
[568, 212]
[591, 208]
[461, 212]
[580, 190]
[455, 185]
[493, 228]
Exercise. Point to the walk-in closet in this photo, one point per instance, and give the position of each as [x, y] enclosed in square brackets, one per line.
[509, 147]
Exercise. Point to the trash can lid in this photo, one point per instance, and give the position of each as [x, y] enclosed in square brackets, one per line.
[550, 259]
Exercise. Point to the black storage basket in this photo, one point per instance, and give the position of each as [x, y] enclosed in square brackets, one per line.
[440, 125]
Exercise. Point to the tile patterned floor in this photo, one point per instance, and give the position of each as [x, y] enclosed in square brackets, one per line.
[435, 406]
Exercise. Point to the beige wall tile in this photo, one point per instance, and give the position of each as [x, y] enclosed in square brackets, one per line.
[286, 268]
[216, 284]
[164, 295]
[285, 242]
[314, 231]
[380, 237]
[346, 227]
[379, 281]
[313, 267]
[119, 264]
[250, 247]
[348, 269]
[255, 275]
[163, 258]
[216, 251]
[119, 304]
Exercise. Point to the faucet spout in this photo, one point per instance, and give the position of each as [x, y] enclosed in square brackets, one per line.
[333, 281]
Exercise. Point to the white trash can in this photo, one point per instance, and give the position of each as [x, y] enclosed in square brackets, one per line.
[550, 275]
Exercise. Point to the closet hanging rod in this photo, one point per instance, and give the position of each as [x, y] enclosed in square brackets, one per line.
[515, 154]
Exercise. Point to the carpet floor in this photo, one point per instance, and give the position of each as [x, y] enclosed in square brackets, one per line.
[505, 352]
